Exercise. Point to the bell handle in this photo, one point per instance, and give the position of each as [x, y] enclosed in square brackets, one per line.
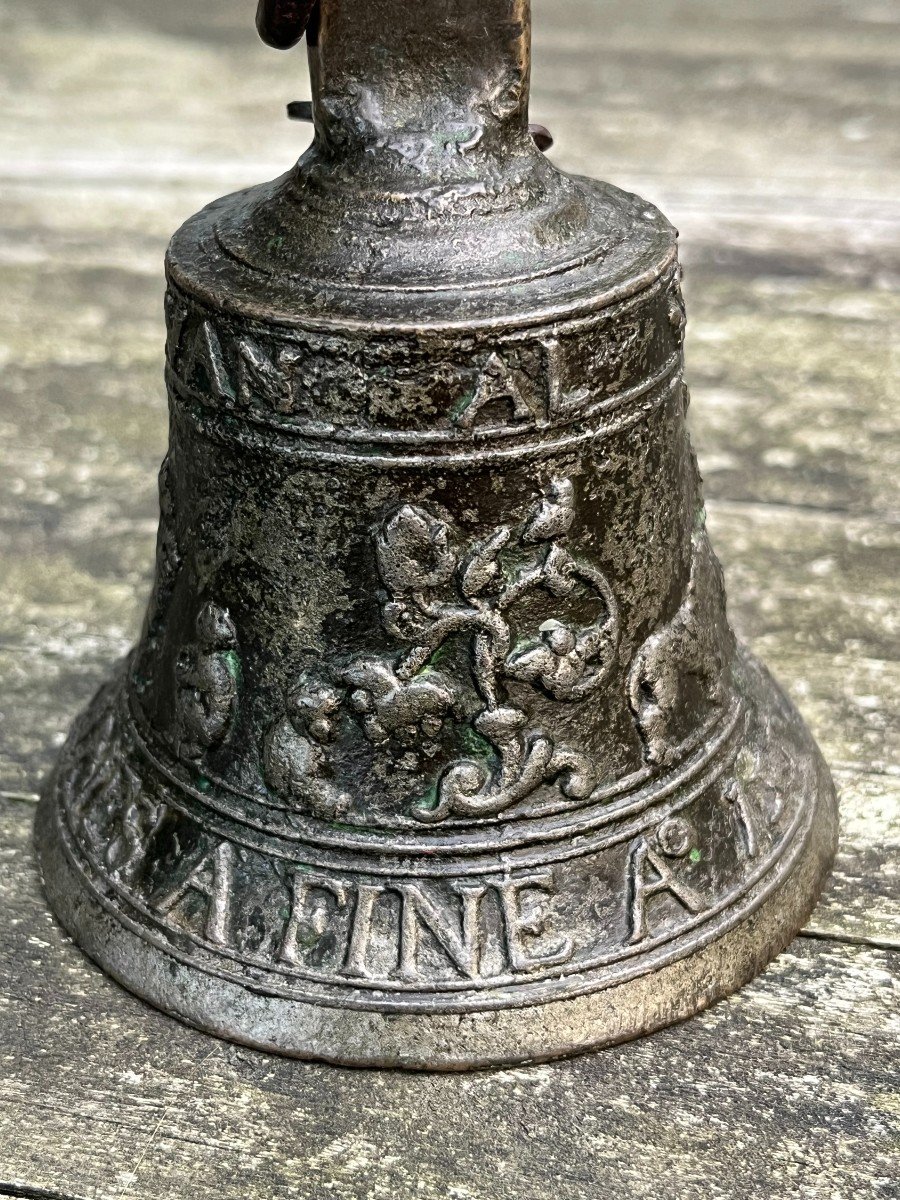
[282, 23]
[389, 74]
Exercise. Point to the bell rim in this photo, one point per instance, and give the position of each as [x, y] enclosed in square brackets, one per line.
[695, 971]
[533, 1033]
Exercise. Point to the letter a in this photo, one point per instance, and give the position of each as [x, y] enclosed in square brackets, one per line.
[215, 884]
[643, 888]
[496, 383]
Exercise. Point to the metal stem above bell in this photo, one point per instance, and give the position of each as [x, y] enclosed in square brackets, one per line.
[436, 750]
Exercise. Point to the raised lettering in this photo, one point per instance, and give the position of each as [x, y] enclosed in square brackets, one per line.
[260, 379]
[642, 888]
[419, 910]
[367, 895]
[209, 359]
[317, 921]
[560, 401]
[495, 383]
[533, 923]
[735, 796]
[211, 877]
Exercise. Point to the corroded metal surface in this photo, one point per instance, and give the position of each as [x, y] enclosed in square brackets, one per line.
[437, 749]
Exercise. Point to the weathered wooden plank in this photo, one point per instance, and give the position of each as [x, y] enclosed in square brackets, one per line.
[85, 400]
[862, 900]
[795, 387]
[768, 132]
[809, 582]
[41, 695]
[790, 345]
[851, 703]
[788, 1088]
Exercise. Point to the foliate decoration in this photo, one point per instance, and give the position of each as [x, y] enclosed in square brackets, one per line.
[390, 705]
[108, 803]
[567, 662]
[683, 665]
[437, 592]
[295, 758]
[207, 676]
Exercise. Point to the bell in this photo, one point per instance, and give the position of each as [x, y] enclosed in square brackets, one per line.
[437, 749]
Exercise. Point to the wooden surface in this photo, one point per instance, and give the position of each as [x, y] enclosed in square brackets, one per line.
[769, 133]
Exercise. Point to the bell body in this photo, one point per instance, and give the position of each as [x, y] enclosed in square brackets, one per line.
[437, 749]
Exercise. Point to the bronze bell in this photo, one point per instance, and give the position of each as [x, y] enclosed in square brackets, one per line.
[436, 749]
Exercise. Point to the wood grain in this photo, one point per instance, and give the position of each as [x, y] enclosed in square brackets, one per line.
[770, 134]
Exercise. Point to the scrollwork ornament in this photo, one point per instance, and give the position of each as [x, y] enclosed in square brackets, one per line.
[207, 675]
[437, 592]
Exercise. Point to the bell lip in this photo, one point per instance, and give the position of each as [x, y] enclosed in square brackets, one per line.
[533, 1033]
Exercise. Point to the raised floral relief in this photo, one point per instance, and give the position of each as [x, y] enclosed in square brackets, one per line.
[207, 673]
[437, 591]
[687, 654]
[116, 812]
[295, 755]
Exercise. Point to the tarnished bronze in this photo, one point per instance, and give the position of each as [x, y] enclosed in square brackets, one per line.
[436, 749]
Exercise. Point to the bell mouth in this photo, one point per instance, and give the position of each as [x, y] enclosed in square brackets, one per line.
[683, 941]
